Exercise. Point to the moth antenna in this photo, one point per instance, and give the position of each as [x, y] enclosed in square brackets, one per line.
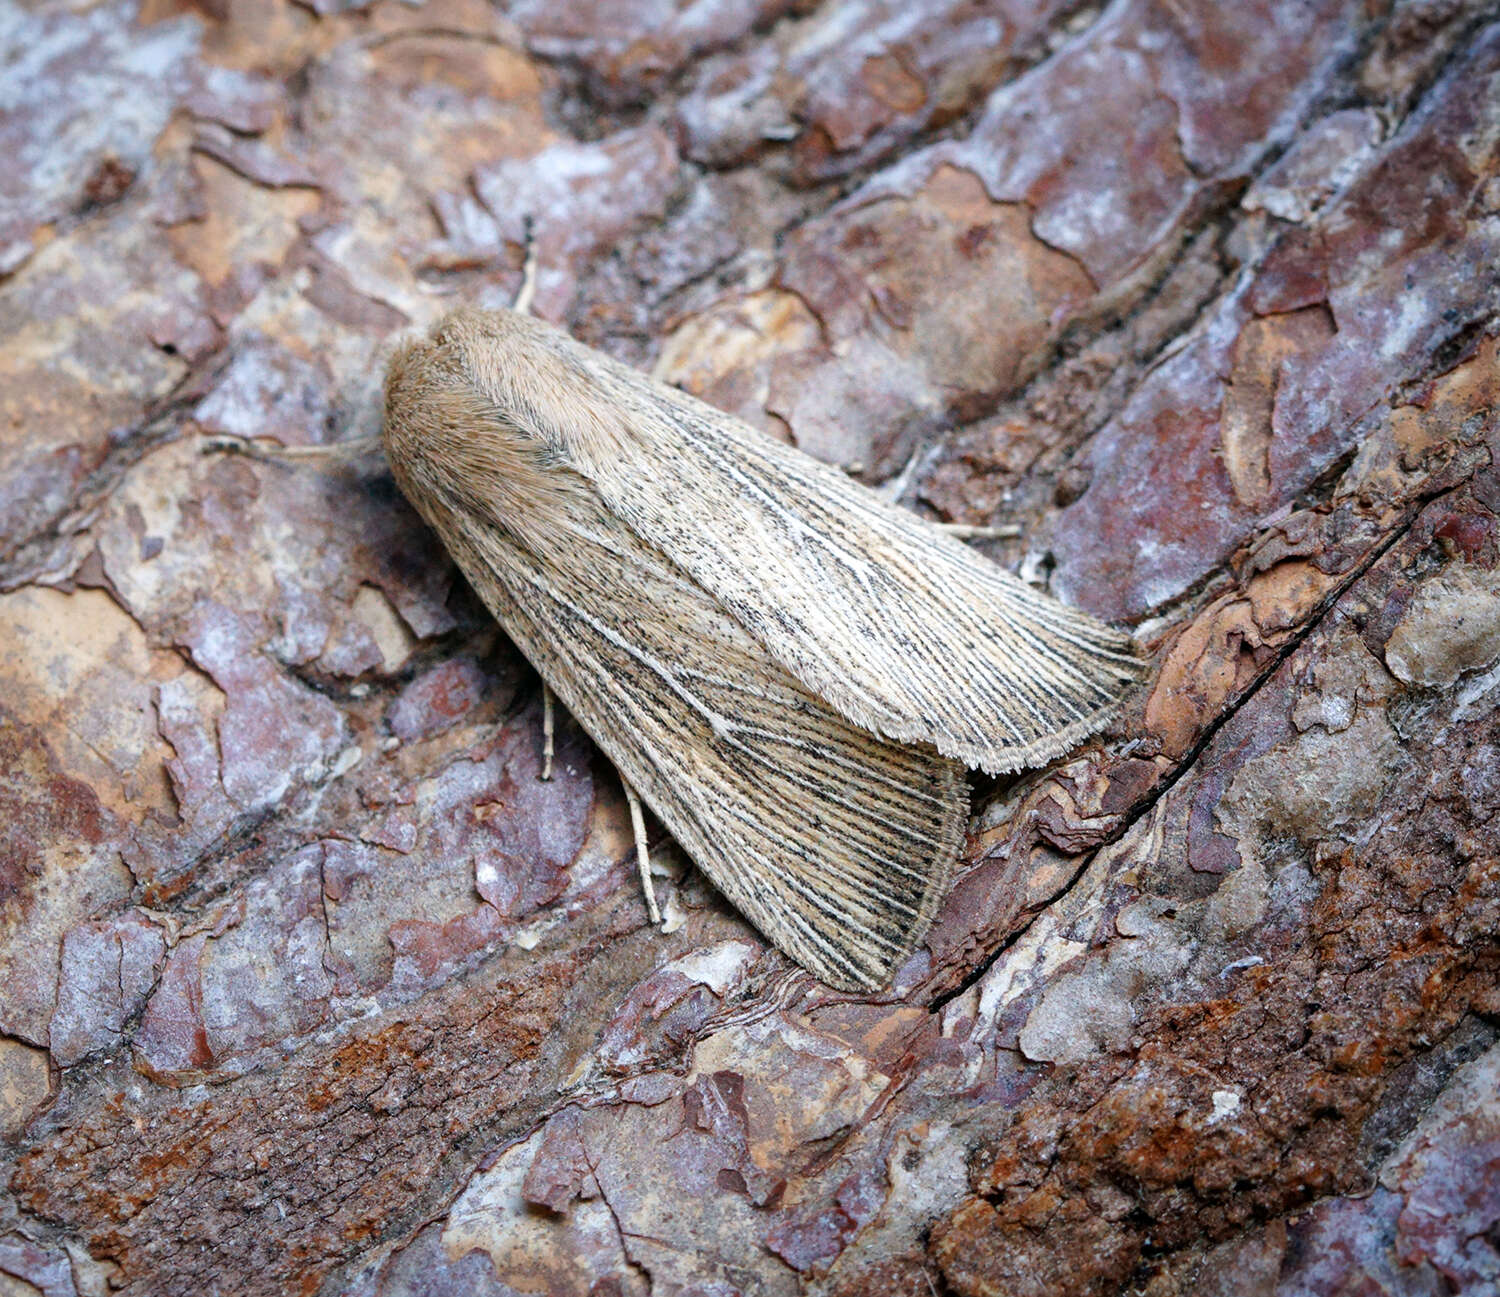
[337, 451]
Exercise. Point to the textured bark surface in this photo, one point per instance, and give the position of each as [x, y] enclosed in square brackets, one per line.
[311, 986]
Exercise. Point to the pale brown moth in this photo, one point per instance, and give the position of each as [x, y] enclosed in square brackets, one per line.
[791, 671]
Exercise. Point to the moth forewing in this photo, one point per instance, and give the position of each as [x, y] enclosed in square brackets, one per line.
[837, 845]
[787, 668]
[903, 629]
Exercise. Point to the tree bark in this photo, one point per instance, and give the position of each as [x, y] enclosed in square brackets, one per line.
[312, 986]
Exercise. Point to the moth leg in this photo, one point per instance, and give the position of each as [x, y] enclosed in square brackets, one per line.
[965, 532]
[522, 303]
[642, 852]
[549, 729]
[893, 491]
[895, 488]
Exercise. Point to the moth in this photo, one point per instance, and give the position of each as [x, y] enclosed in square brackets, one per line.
[792, 672]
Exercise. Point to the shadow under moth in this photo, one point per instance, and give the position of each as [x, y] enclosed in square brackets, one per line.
[792, 672]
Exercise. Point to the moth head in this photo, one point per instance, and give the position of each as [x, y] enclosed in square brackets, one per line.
[473, 414]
